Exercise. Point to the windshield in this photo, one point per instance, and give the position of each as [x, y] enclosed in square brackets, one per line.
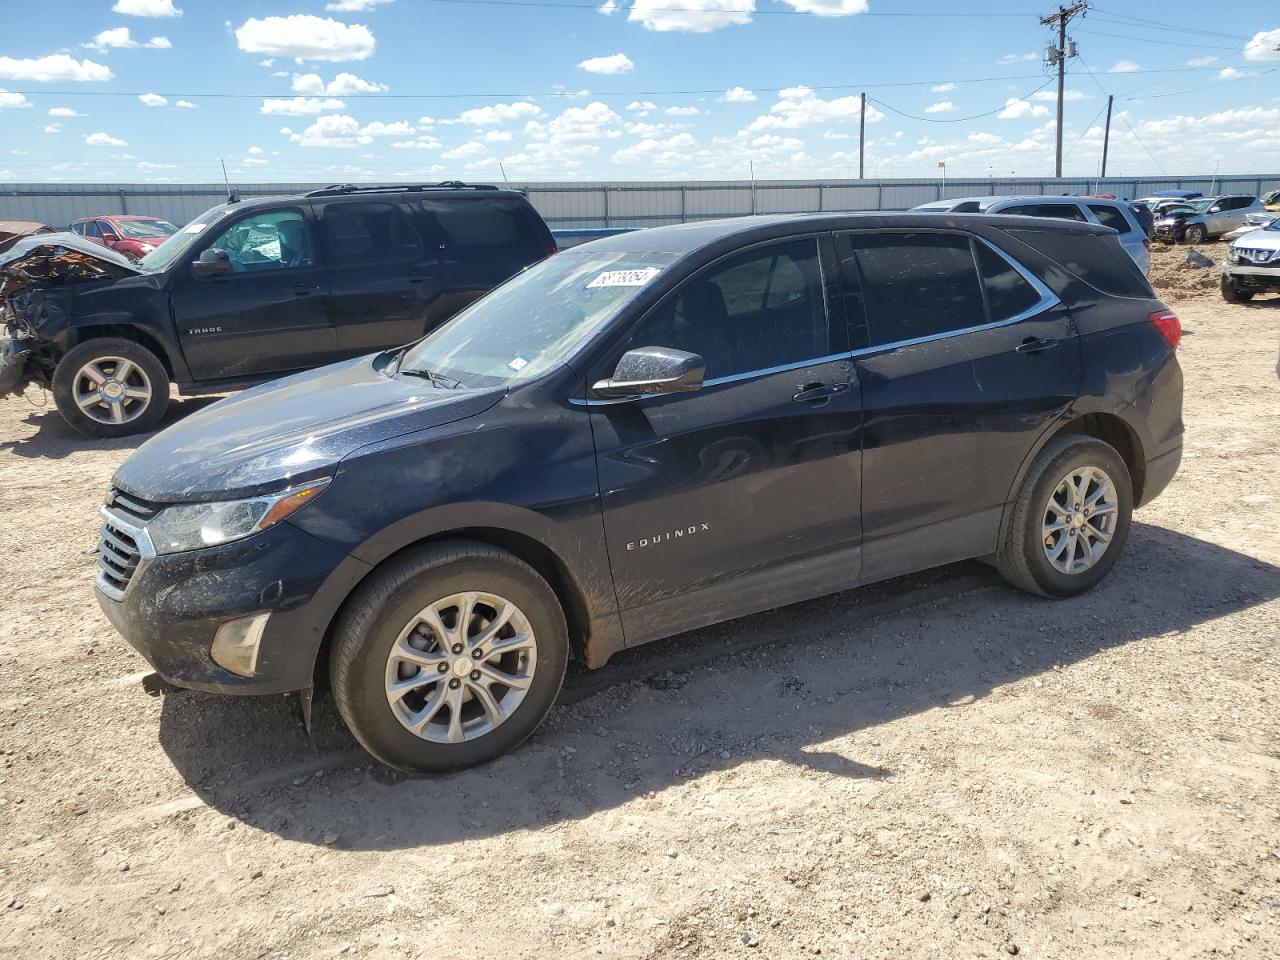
[535, 319]
[140, 229]
[163, 256]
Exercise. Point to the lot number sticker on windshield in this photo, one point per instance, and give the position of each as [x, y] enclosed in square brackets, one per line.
[624, 278]
[194, 227]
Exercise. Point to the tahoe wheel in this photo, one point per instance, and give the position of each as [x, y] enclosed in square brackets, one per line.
[1195, 234]
[1232, 293]
[111, 387]
[448, 657]
[1070, 521]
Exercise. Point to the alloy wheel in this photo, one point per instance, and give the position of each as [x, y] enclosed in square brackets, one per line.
[112, 390]
[1080, 519]
[461, 667]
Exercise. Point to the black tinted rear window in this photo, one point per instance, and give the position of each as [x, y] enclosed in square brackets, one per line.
[484, 223]
[1099, 261]
[1110, 217]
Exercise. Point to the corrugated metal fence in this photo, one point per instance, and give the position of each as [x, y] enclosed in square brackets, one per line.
[615, 204]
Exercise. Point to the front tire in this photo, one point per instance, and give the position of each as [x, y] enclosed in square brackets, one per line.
[448, 657]
[111, 387]
[1233, 294]
[1071, 519]
[1195, 234]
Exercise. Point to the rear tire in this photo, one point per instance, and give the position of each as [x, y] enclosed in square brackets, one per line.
[1233, 294]
[111, 387]
[1070, 521]
[1195, 234]
[419, 685]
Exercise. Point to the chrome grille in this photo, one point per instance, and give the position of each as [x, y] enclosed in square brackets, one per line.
[123, 545]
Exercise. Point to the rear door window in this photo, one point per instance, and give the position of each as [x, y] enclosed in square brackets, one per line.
[1059, 211]
[370, 233]
[1110, 217]
[1008, 292]
[91, 231]
[482, 224]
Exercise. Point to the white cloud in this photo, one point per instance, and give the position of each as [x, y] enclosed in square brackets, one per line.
[468, 151]
[299, 106]
[422, 143]
[942, 106]
[1201, 61]
[147, 8]
[829, 8]
[836, 135]
[398, 128]
[1015, 109]
[117, 38]
[354, 6]
[10, 100]
[612, 65]
[185, 105]
[656, 152]
[153, 100]
[1051, 96]
[53, 68]
[1125, 66]
[738, 95]
[1229, 73]
[943, 88]
[497, 136]
[103, 139]
[255, 151]
[642, 105]
[305, 37]
[608, 7]
[332, 130]
[1263, 46]
[159, 43]
[690, 16]
[681, 111]
[593, 122]
[254, 162]
[343, 85]
[1010, 58]
[499, 113]
[801, 107]
[53, 128]
[65, 112]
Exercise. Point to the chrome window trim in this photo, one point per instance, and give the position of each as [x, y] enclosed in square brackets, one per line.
[1048, 300]
[146, 553]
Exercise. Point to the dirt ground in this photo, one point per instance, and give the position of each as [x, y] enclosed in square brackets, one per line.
[940, 767]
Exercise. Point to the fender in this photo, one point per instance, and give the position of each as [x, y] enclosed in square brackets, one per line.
[150, 323]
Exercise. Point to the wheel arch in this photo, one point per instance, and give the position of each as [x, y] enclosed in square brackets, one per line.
[127, 331]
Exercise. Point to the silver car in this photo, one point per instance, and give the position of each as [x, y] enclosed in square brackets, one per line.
[1252, 265]
[1206, 218]
[1116, 214]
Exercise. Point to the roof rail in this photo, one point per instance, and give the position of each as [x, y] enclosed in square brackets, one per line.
[341, 189]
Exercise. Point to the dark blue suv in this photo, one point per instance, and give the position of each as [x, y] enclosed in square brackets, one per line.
[647, 434]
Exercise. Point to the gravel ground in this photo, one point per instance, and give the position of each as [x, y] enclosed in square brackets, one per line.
[939, 767]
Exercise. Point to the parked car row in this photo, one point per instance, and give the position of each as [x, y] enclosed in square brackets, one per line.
[249, 291]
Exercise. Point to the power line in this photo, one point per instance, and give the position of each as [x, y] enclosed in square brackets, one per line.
[1110, 16]
[750, 11]
[1141, 144]
[1163, 43]
[976, 116]
[1207, 86]
[1088, 127]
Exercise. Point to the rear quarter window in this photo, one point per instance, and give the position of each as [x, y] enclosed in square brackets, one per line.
[484, 224]
[1099, 261]
[1110, 217]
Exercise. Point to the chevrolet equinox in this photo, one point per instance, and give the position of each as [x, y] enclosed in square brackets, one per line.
[643, 435]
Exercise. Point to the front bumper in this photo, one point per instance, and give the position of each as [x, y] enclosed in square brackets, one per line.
[1251, 278]
[1170, 234]
[174, 604]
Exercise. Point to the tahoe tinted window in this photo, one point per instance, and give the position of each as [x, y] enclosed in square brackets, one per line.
[759, 310]
[1059, 211]
[480, 224]
[917, 285]
[365, 232]
[1099, 261]
[1110, 217]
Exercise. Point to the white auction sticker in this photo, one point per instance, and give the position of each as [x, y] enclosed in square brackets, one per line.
[194, 227]
[624, 278]
[519, 363]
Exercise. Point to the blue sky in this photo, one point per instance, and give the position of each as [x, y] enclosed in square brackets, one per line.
[323, 90]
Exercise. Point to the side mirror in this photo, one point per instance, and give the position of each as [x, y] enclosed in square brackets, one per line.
[653, 370]
[1215, 209]
[211, 263]
[109, 237]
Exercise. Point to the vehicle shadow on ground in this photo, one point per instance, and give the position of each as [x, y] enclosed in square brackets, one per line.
[55, 439]
[770, 687]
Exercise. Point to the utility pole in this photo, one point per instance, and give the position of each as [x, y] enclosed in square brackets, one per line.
[1059, 55]
[862, 134]
[1106, 137]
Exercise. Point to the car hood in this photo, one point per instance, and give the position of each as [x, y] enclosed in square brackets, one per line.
[289, 431]
[60, 258]
[1259, 239]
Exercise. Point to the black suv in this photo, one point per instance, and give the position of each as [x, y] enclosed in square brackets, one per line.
[646, 434]
[251, 290]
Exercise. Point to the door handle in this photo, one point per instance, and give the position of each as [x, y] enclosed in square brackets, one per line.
[301, 289]
[819, 392]
[1035, 344]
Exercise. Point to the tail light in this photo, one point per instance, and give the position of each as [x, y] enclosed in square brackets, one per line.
[1170, 327]
[1146, 243]
[552, 249]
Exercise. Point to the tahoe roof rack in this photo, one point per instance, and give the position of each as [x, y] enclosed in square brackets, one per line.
[339, 189]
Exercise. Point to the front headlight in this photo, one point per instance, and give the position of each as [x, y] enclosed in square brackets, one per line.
[190, 526]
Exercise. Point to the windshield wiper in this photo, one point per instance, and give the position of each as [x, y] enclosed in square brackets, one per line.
[437, 379]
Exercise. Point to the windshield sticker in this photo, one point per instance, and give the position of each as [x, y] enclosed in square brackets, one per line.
[624, 278]
[518, 364]
[194, 227]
